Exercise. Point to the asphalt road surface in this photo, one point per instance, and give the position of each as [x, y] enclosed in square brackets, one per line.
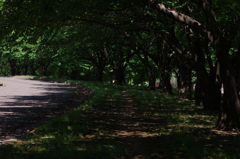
[25, 101]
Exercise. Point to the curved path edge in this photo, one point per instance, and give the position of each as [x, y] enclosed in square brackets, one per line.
[84, 93]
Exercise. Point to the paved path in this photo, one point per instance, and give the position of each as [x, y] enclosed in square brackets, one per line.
[24, 101]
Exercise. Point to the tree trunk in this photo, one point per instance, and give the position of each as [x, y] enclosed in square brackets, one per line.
[165, 84]
[207, 90]
[229, 116]
[151, 81]
[99, 62]
[151, 71]
[12, 66]
[98, 74]
[198, 94]
[185, 85]
[119, 75]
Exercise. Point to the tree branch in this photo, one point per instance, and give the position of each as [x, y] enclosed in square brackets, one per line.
[185, 19]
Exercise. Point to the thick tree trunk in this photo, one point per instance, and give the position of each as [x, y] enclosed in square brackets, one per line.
[229, 116]
[184, 77]
[151, 71]
[163, 61]
[198, 94]
[151, 81]
[99, 62]
[230, 110]
[119, 75]
[184, 82]
[165, 84]
[207, 90]
[212, 100]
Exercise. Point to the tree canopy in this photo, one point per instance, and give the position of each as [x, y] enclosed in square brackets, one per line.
[196, 41]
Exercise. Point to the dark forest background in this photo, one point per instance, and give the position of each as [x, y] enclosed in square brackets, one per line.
[134, 42]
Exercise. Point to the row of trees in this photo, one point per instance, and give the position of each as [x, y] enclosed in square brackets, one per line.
[137, 40]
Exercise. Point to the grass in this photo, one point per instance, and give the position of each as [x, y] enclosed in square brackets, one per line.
[73, 135]
[23, 76]
[185, 130]
[182, 130]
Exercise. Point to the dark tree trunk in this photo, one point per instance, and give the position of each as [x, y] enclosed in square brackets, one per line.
[119, 63]
[12, 66]
[151, 71]
[207, 91]
[165, 84]
[207, 88]
[212, 100]
[18, 70]
[74, 74]
[184, 77]
[229, 116]
[199, 93]
[13, 71]
[43, 65]
[163, 61]
[119, 75]
[44, 71]
[185, 83]
[151, 80]
[99, 62]
[98, 74]
[26, 68]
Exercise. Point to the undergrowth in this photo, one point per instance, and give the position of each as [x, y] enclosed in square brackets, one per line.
[182, 130]
[70, 136]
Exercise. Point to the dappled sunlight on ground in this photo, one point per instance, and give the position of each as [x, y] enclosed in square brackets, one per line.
[125, 125]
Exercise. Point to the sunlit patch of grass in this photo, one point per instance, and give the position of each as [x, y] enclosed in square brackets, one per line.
[184, 130]
[23, 76]
[181, 130]
[73, 135]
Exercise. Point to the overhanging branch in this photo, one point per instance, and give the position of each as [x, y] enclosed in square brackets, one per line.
[182, 18]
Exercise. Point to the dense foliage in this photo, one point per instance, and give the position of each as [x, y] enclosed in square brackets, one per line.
[196, 41]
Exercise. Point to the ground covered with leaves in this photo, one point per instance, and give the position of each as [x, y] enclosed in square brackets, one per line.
[128, 122]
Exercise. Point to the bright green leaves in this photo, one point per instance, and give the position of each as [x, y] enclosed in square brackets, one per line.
[75, 29]
[227, 10]
[175, 4]
[1, 4]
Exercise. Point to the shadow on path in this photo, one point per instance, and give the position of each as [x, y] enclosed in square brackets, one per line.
[27, 103]
[118, 128]
[124, 119]
[152, 137]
